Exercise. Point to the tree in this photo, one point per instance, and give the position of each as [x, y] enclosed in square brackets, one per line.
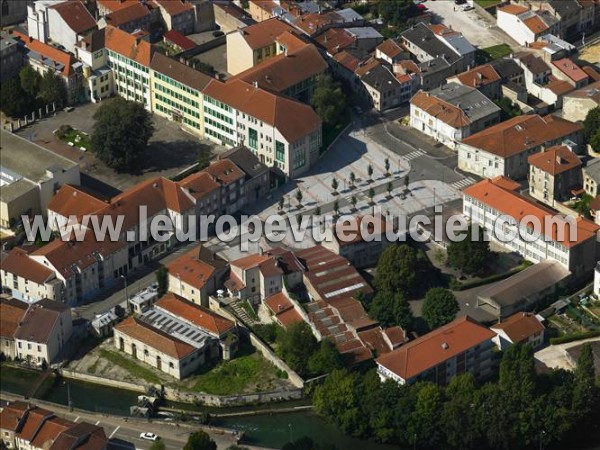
[30, 81]
[352, 178]
[591, 128]
[398, 270]
[200, 440]
[244, 4]
[158, 445]
[406, 182]
[371, 194]
[329, 101]
[121, 134]
[53, 89]
[389, 188]
[334, 184]
[425, 421]
[317, 211]
[391, 309]
[386, 164]
[336, 207]
[14, 101]
[584, 389]
[457, 415]
[162, 279]
[281, 203]
[299, 197]
[204, 157]
[353, 201]
[439, 308]
[370, 171]
[397, 12]
[325, 359]
[296, 345]
[469, 255]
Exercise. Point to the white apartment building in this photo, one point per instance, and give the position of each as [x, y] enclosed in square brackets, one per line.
[98, 78]
[524, 25]
[498, 207]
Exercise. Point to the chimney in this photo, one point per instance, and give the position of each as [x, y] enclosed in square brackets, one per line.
[255, 84]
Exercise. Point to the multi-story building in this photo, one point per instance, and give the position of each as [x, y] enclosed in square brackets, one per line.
[13, 11]
[452, 113]
[178, 15]
[497, 206]
[12, 312]
[438, 356]
[520, 328]
[591, 177]
[255, 277]
[503, 149]
[577, 104]
[99, 81]
[483, 78]
[554, 174]
[524, 25]
[177, 92]
[129, 58]
[283, 133]
[11, 58]
[137, 16]
[566, 70]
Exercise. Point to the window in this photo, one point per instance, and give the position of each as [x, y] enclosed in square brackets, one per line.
[252, 138]
[280, 151]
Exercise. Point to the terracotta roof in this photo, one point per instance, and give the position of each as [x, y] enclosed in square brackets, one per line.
[264, 33]
[570, 69]
[81, 436]
[348, 60]
[479, 76]
[190, 269]
[179, 40]
[127, 45]
[50, 431]
[155, 338]
[12, 312]
[396, 335]
[39, 321]
[444, 111]
[286, 259]
[535, 24]
[520, 326]
[533, 63]
[122, 16]
[76, 201]
[11, 415]
[67, 256]
[290, 40]
[19, 263]
[76, 16]
[390, 48]
[353, 226]
[225, 171]
[250, 261]
[180, 72]
[293, 119]
[375, 341]
[508, 202]
[591, 72]
[429, 350]
[197, 315]
[555, 160]
[289, 317]
[283, 71]
[114, 5]
[595, 204]
[558, 86]
[175, 7]
[56, 56]
[233, 283]
[591, 91]
[200, 184]
[335, 40]
[35, 418]
[521, 133]
[352, 312]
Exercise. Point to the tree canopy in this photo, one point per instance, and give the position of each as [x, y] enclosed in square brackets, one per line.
[591, 128]
[397, 12]
[53, 89]
[469, 255]
[391, 310]
[200, 440]
[14, 101]
[296, 345]
[399, 269]
[329, 101]
[325, 359]
[121, 134]
[440, 307]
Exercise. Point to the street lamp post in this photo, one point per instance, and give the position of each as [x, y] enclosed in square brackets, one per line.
[291, 436]
[69, 402]
[126, 293]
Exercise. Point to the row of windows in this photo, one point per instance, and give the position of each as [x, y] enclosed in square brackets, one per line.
[176, 84]
[218, 125]
[187, 121]
[221, 105]
[179, 106]
[218, 115]
[124, 59]
[219, 136]
[177, 95]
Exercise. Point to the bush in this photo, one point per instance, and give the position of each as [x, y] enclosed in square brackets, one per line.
[63, 131]
[267, 333]
[574, 337]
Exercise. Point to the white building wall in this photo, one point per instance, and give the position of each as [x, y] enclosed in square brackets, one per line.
[597, 281]
[513, 26]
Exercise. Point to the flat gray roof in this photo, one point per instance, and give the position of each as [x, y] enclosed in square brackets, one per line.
[470, 100]
[28, 159]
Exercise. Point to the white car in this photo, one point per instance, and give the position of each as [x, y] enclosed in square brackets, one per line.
[467, 8]
[148, 436]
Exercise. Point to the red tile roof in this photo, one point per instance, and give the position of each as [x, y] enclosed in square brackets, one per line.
[513, 9]
[264, 33]
[493, 194]
[76, 201]
[440, 109]
[591, 72]
[189, 269]
[396, 335]
[127, 45]
[50, 431]
[558, 86]
[175, 37]
[521, 133]
[198, 315]
[293, 119]
[175, 7]
[535, 24]
[570, 69]
[122, 16]
[40, 320]
[34, 420]
[390, 48]
[11, 415]
[250, 261]
[19, 263]
[429, 350]
[200, 184]
[55, 55]
[12, 312]
[520, 326]
[374, 340]
[352, 312]
[155, 338]
[555, 160]
[283, 309]
[76, 16]
[225, 172]
[479, 76]
[335, 40]
[115, 5]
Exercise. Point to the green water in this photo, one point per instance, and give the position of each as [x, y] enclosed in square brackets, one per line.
[17, 381]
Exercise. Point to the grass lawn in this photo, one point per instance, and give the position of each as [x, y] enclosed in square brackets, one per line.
[247, 372]
[487, 3]
[133, 368]
[77, 138]
[488, 54]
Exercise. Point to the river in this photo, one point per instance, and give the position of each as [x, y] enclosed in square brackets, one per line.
[270, 430]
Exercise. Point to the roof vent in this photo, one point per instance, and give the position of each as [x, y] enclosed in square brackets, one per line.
[445, 345]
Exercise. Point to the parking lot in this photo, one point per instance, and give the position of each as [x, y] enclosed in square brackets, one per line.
[170, 149]
[478, 30]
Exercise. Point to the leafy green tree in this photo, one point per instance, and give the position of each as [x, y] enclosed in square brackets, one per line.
[204, 157]
[425, 421]
[336, 207]
[329, 101]
[200, 440]
[370, 171]
[457, 416]
[352, 178]
[162, 279]
[389, 188]
[406, 182]
[30, 81]
[353, 201]
[386, 163]
[334, 184]
[158, 445]
[470, 254]
[591, 124]
[325, 359]
[53, 89]
[391, 309]
[398, 270]
[14, 101]
[584, 388]
[299, 197]
[397, 12]
[440, 307]
[296, 345]
[371, 194]
[121, 134]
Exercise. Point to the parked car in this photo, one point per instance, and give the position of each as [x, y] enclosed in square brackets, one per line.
[467, 8]
[217, 33]
[460, 2]
[148, 436]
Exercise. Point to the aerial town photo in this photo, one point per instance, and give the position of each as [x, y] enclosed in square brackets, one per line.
[300, 224]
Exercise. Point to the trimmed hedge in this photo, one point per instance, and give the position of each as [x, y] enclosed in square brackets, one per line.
[574, 337]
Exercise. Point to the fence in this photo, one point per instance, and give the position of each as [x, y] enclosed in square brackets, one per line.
[14, 126]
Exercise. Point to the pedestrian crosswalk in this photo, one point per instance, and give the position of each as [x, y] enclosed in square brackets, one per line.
[463, 183]
[413, 155]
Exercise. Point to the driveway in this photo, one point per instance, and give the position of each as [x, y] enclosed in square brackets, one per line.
[555, 356]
